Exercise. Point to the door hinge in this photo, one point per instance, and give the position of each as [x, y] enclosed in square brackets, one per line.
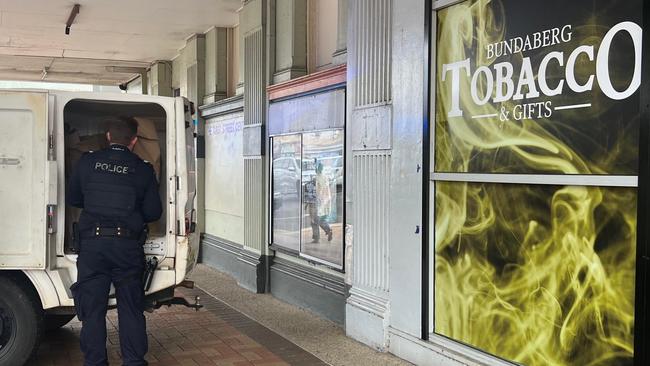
[51, 214]
[178, 227]
[50, 147]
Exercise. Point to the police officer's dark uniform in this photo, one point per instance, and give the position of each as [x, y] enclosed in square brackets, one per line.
[118, 193]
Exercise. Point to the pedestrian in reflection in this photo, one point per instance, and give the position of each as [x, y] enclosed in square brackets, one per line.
[318, 201]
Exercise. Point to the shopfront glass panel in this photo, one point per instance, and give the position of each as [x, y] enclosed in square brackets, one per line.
[537, 266]
[286, 176]
[518, 89]
[322, 191]
[538, 274]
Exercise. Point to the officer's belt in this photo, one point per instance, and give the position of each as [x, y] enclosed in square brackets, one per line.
[114, 232]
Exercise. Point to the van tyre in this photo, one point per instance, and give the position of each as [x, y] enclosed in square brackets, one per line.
[21, 323]
[56, 321]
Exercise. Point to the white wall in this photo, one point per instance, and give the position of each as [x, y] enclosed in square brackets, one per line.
[224, 177]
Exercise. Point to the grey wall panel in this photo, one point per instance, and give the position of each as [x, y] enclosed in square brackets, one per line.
[252, 136]
[232, 259]
[308, 113]
[254, 203]
[373, 46]
[371, 129]
[310, 289]
[371, 219]
[406, 179]
[221, 254]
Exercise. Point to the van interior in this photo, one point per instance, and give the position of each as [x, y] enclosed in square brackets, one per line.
[84, 131]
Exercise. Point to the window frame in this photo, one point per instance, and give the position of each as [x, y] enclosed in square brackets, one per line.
[299, 253]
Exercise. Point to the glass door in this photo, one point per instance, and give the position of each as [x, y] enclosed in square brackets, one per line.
[308, 195]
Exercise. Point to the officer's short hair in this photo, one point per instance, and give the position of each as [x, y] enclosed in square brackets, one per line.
[122, 129]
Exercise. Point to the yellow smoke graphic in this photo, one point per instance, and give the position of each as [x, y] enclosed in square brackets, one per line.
[542, 275]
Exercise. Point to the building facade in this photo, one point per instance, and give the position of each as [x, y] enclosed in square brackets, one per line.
[446, 181]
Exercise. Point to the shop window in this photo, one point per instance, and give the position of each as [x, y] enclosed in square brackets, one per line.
[322, 187]
[535, 191]
[287, 174]
[308, 178]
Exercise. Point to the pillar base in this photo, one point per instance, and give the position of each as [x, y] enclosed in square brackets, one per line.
[214, 97]
[366, 316]
[288, 74]
[340, 57]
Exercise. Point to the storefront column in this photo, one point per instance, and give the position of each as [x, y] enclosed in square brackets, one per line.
[216, 65]
[407, 228]
[160, 79]
[369, 139]
[253, 25]
[290, 40]
[340, 55]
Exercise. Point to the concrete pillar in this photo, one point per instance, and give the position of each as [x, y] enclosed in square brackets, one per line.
[370, 158]
[145, 82]
[160, 79]
[216, 65]
[195, 68]
[239, 88]
[340, 55]
[290, 40]
[253, 20]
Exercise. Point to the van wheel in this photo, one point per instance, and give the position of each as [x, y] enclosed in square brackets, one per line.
[56, 321]
[21, 323]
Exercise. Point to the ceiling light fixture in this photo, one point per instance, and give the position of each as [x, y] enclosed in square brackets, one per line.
[73, 15]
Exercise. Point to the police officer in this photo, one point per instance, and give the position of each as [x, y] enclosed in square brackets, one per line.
[118, 193]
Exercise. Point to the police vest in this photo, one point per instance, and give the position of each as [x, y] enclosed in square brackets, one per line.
[110, 191]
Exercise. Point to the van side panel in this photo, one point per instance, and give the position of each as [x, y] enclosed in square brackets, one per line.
[23, 157]
[45, 288]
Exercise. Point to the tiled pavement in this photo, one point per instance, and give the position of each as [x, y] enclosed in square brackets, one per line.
[215, 335]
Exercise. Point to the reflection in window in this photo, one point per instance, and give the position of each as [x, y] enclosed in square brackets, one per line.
[286, 191]
[308, 194]
[322, 186]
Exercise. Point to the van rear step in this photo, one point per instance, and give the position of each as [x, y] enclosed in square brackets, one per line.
[176, 300]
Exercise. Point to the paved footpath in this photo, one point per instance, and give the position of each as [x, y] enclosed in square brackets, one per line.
[215, 335]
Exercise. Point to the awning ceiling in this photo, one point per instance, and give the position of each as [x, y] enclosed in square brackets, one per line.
[109, 39]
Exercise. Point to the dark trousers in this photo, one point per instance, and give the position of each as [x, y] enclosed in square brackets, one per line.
[100, 263]
[317, 222]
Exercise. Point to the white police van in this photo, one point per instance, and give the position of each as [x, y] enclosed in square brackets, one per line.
[42, 133]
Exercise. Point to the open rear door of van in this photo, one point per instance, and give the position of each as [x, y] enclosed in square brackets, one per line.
[23, 179]
[186, 193]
